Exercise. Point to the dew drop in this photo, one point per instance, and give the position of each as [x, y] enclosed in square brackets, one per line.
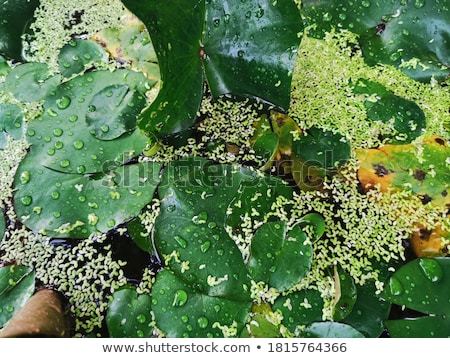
[180, 298]
[25, 177]
[59, 145]
[9, 309]
[365, 3]
[31, 132]
[212, 224]
[57, 132]
[26, 200]
[259, 13]
[56, 214]
[139, 334]
[123, 321]
[217, 308]
[141, 318]
[55, 195]
[51, 151]
[395, 286]
[63, 102]
[111, 223]
[202, 322]
[171, 208]
[205, 246]
[78, 144]
[431, 269]
[64, 163]
[52, 113]
[184, 319]
[418, 4]
[81, 169]
[73, 118]
[82, 199]
[180, 241]
[201, 218]
[104, 128]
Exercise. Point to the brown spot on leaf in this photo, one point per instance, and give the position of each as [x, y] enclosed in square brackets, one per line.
[439, 141]
[425, 199]
[380, 170]
[419, 174]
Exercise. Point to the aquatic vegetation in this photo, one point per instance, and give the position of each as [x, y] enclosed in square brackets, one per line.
[232, 183]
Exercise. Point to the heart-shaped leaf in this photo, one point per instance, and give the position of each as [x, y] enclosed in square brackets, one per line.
[278, 257]
[183, 311]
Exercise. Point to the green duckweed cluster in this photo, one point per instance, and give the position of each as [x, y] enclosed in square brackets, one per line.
[58, 21]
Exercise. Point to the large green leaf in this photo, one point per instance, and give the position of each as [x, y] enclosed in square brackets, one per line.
[129, 314]
[331, 330]
[246, 49]
[279, 257]
[421, 285]
[16, 287]
[194, 197]
[391, 32]
[15, 17]
[183, 311]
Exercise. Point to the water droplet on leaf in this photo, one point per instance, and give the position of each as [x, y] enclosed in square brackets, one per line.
[180, 298]
[431, 269]
[395, 286]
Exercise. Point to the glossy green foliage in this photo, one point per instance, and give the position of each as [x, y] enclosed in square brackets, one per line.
[76, 56]
[31, 82]
[182, 310]
[421, 285]
[75, 205]
[406, 116]
[15, 17]
[331, 330]
[324, 150]
[194, 197]
[11, 123]
[316, 223]
[17, 284]
[243, 48]
[74, 180]
[261, 325]
[129, 314]
[369, 311]
[396, 32]
[299, 309]
[279, 257]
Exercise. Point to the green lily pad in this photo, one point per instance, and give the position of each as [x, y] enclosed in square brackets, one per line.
[78, 54]
[16, 287]
[421, 285]
[369, 311]
[194, 197]
[299, 308]
[16, 15]
[278, 257]
[76, 205]
[410, 35]
[407, 117]
[129, 314]
[331, 330]
[11, 122]
[183, 311]
[31, 82]
[322, 149]
[243, 48]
